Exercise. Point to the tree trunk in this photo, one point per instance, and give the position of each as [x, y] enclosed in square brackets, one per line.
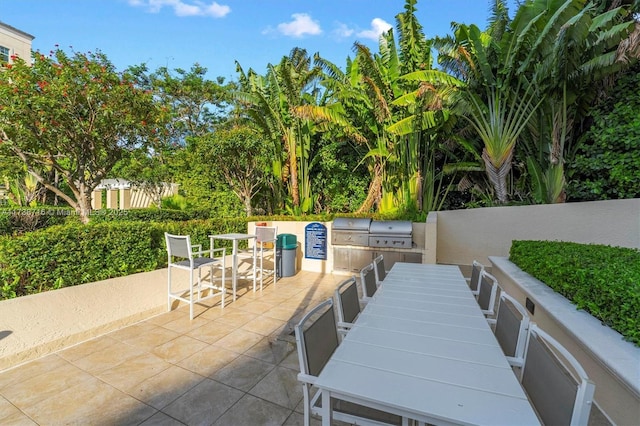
[293, 168]
[83, 208]
[375, 188]
[247, 204]
[498, 175]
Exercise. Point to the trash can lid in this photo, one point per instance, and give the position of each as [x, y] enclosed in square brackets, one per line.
[287, 241]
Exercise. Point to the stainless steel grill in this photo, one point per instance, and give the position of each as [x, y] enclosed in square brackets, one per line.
[372, 233]
[390, 233]
[350, 231]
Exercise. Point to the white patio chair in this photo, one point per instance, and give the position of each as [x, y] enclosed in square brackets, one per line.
[368, 282]
[488, 288]
[511, 327]
[474, 279]
[348, 304]
[317, 339]
[555, 382]
[181, 255]
[381, 272]
[266, 237]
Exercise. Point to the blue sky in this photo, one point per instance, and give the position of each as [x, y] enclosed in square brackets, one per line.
[179, 33]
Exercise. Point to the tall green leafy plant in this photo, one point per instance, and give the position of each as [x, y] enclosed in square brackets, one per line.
[576, 49]
[270, 102]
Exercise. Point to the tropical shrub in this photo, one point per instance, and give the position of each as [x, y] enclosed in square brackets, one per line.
[18, 220]
[147, 215]
[607, 163]
[602, 280]
[175, 202]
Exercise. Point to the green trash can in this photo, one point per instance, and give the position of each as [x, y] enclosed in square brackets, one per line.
[286, 248]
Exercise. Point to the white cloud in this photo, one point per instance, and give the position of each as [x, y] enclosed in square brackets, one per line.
[301, 25]
[343, 31]
[378, 26]
[184, 8]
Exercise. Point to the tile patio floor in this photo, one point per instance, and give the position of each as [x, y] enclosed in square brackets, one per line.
[233, 367]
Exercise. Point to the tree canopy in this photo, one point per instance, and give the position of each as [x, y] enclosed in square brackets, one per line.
[73, 114]
[499, 118]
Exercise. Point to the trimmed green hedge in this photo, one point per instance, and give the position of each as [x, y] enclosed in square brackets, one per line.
[602, 280]
[147, 215]
[72, 254]
[19, 220]
[115, 243]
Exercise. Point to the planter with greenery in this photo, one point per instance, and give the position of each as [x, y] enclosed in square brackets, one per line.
[602, 280]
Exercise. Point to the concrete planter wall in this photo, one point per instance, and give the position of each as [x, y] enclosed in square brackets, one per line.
[611, 362]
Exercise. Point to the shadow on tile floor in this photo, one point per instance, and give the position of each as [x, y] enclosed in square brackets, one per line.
[236, 366]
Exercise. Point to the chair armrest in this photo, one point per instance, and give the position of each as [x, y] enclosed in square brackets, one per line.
[223, 251]
[346, 325]
[307, 378]
[196, 250]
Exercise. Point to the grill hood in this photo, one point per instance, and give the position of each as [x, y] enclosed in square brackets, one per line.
[390, 227]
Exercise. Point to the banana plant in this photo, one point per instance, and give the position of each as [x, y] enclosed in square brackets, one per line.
[270, 102]
[570, 69]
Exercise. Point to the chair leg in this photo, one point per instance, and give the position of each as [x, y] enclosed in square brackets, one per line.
[191, 295]
[199, 283]
[307, 408]
[169, 289]
[261, 266]
[223, 287]
[255, 260]
[275, 275]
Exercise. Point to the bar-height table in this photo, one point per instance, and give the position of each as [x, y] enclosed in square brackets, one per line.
[235, 237]
[422, 349]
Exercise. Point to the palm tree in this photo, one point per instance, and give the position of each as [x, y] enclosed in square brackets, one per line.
[524, 73]
[497, 101]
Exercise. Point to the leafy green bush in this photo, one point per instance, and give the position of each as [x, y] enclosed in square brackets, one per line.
[147, 215]
[68, 255]
[602, 280]
[607, 163]
[18, 220]
[175, 202]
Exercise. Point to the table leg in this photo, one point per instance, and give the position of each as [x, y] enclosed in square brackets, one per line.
[327, 412]
[255, 253]
[234, 268]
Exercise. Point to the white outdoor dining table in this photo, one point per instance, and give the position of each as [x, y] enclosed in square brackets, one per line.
[422, 349]
[234, 237]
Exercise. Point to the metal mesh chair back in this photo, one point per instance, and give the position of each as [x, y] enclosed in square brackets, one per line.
[178, 246]
[368, 279]
[320, 340]
[348, 303]
[550, 387]
[266, 233]
[381, 273]
[507, 329]
[486, 290]
[476, 269]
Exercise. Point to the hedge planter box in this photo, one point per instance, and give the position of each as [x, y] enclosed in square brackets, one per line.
[610, 361]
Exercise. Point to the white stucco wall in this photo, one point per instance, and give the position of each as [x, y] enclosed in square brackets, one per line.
[465, 235]
[18, 42]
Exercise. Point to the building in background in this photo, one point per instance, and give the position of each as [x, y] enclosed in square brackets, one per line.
[14, 42]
